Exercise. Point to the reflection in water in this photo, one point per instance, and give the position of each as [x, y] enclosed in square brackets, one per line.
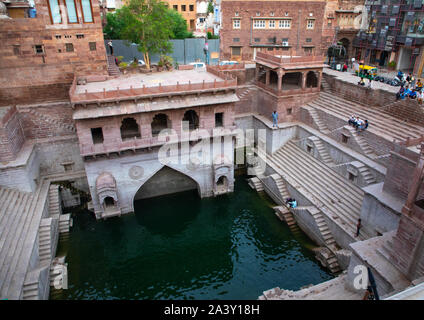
[182, 247]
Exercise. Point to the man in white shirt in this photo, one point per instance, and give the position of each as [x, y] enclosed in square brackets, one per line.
[110, 47]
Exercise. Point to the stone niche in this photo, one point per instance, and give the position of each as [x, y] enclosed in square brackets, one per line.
[223, 178]
[107, 196]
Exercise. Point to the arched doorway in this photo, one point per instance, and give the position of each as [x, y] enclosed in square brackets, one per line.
[109, 202]
[311, 80]
[129, 129]
[192, 118]
[346, 44]
[221, 185]
[165, 181]
[160, 122]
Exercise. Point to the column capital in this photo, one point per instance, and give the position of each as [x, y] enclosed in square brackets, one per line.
[280, 72]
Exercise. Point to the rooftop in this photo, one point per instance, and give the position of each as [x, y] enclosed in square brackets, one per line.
[164, 78]
[167, 83]
[274, 59]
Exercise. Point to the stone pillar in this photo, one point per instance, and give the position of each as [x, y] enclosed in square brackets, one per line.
[267, 77]
[303, 80]
[280, 74]
[257, 73]
[319, 79]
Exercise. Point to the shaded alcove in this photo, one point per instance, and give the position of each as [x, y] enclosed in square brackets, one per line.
[192, 118]
[160, 122]
[129, 129]
[292, 80]
[311, 80]
[165, 181]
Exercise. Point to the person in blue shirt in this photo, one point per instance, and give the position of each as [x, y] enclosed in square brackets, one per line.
[275, 119]
[413, 94]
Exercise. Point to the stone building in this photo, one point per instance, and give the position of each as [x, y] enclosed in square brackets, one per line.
[41, 55]
[119, 123]
[188, 10]
[348, 21]
[248, 27]
[394, 33]
[285, 83]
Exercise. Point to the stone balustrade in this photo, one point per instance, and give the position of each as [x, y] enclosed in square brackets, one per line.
[88, 149]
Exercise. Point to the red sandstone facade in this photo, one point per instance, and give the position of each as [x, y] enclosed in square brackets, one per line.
[287, 26]
[406, 250]
[286, 83]
[40, 56]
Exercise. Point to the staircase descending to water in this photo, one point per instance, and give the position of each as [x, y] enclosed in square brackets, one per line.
[20, 217]
[330, 290]
[324, 188]
[284, 214]
[256, 184]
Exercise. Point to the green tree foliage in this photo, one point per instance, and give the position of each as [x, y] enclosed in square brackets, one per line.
[114, 26]
[210, 7]
[179, 25]
[211, 36]
[148, 24]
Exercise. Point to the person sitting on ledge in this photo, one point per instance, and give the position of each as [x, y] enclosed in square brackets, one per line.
[291, 202]
[400, 93]
[419, 85]
[420, 96]
[413, 94]
[352, 120]
[359, 124]
[363, 125]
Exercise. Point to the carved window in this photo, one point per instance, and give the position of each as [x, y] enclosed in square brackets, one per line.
[97, 135]
[219, 119]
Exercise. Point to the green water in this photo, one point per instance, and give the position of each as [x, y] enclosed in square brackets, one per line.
[182, 247]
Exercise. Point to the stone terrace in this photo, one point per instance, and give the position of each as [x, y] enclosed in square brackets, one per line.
[165, 78]
[95, 89]
[352, 78]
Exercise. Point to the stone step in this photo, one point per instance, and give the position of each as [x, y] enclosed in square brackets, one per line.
[314, 177]
[344, 116]
[292, 152]
[327, 199]
[366, 148]
[13, 220]
[384, 123]
[14, 267]
[376, 113]
[11, 197]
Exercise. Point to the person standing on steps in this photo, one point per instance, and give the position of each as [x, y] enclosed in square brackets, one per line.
[110, 45]
[275, 119]
[358, 227]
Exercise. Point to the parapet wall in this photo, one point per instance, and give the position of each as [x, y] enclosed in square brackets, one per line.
[400, 172]
[11, 134]
[47, 120]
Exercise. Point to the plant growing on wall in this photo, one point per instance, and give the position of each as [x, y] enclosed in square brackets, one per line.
[148, 25]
